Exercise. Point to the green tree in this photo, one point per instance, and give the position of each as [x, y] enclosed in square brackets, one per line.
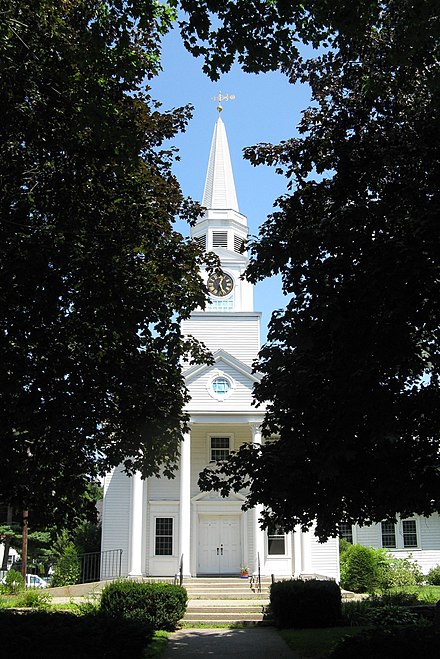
[94, 279]
[351, 365]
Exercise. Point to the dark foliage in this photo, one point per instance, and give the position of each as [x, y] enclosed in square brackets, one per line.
[298, 603]
[390, 644]
[53, 635]
[94, 280]
[160, 605]
[433, 576]
[351, 368]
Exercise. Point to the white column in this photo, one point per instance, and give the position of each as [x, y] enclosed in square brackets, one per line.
[297, 562]
[136, 525]
[306, 552]
[185, 503]
[258, 531]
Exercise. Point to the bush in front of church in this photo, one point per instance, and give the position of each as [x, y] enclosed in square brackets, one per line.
[298, 603]
[392, 643]
[160, 605]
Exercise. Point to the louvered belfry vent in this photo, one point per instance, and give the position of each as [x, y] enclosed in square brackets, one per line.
[238, 244]
[220, 239]
[201, 241]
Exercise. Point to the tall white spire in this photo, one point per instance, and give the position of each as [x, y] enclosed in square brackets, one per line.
[219, 190]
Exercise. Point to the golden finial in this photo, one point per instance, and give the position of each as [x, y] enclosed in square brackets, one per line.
[223, 97]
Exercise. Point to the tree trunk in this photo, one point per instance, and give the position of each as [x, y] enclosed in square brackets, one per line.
[24, 545]
[7, 541]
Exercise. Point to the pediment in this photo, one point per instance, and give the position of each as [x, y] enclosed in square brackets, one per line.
[215, 496]
[221, 357]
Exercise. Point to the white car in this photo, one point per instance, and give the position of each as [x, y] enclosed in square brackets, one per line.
[34, 581]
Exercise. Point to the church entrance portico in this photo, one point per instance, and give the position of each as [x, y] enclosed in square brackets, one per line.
[219, 550]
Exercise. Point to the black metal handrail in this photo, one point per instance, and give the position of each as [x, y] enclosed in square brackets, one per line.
[77, 568]
[259, 572]
[180, 572]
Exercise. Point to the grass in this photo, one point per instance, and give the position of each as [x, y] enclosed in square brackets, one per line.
[157, 645]
[426, 594]
[316, 642]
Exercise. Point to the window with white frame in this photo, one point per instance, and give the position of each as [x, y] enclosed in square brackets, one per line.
[409, 533]
[219, 449]
[388, 531]
[402, 535]
[221, 304]
[276, 541]
[220, 386]
[163, 541]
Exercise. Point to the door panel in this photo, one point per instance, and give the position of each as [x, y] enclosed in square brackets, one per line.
[219, 545]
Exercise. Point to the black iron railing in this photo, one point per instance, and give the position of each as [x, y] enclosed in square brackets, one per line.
[77, 568]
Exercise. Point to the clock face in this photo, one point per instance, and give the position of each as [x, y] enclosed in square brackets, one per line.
[220, 284]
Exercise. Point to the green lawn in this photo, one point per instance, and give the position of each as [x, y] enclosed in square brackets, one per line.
[157, 645]
[428, 594]
[316, 642]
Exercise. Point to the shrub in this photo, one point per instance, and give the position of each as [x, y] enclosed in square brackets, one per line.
[161, 605]
[400, 598]
[433, 576]
[14, 582]
[363, 569]
[355, 612]
[389, 615]
[33, 599]
[298, 603]
[67, 569]
[402, 572]
[382, 610]
[390, 644]
[53, 635]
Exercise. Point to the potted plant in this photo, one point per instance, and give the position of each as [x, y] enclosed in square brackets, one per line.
[244, 572]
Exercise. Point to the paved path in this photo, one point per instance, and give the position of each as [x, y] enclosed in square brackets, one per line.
[245, 643]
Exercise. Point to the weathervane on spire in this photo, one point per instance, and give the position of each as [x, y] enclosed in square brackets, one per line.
[223, 97]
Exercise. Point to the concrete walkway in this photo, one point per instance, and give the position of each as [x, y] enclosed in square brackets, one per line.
[245, 643]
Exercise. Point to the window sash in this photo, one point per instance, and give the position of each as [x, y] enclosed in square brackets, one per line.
[346, 531]
[409, 532]
[220, 448]
[276, 541]
[163, 543]
[388, 535]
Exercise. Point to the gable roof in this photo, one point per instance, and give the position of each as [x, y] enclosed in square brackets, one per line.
[226, 358]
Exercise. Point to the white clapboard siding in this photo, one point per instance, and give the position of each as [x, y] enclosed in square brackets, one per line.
[200, 445]
[237, 333]
[164, 488]
[116, 514]
[240, 399]
[325, 557]
[369, 536]
[427, 554]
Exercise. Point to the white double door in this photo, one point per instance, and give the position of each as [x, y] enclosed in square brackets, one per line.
[219, 544]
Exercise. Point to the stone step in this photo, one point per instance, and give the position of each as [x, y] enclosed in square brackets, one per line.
[219, 617]
[233, 606]
[228, 597]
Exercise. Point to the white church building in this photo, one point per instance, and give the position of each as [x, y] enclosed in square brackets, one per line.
[159, 522]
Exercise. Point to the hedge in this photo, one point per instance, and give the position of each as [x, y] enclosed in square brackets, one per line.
[54, 635]
[298, 603]
[390, 644]
[160, 605]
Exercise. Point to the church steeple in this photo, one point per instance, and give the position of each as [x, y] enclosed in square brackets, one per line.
[219, 190]
[222, 229]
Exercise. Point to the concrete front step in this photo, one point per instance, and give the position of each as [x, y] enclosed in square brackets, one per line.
[225, 601]
[223, 618]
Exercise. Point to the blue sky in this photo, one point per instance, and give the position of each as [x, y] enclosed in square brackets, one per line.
[266, 109]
